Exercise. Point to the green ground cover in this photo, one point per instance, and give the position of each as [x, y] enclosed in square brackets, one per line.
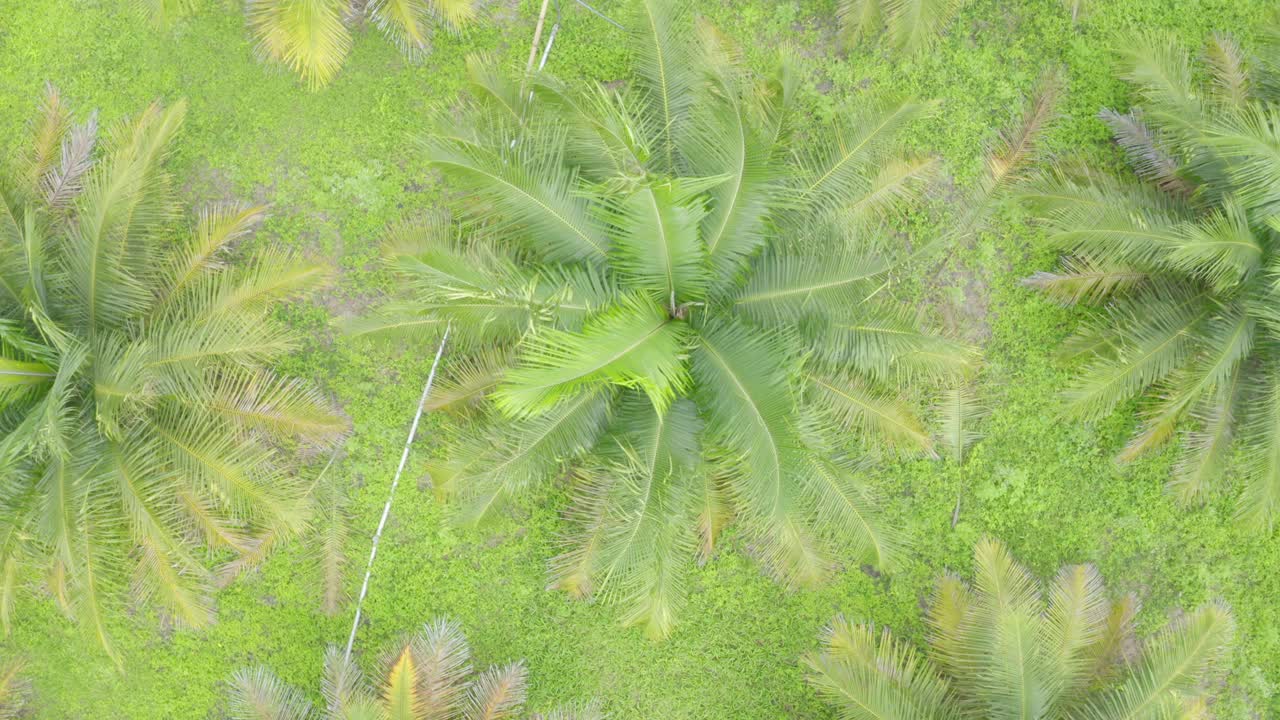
[337, 165]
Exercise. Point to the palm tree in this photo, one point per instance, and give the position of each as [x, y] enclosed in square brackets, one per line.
[908, 25]
[669, 291]
[1181, 257]
[312, 38]
[136, 404]
[1005, 648]
[427, 677]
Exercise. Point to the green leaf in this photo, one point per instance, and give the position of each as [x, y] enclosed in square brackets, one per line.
[307, 35]
[784, 288]
[743, 393]
[1172, 669]
[667, 68]
[840, 168]
[657, 246]
[530, 452]
[528, 195]
[633, 344]
[873, 678]
[258, 694]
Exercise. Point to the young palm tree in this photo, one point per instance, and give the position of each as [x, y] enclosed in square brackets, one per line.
[1181, 256]
[909, 25]
[666, 290]
[136, 403]
[1005, 648]
[428, 677]
[312, 38]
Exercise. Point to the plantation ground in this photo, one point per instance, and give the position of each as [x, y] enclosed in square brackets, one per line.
[337, 165]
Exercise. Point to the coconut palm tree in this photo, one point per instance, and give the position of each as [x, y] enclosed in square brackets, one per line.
[428, 676]
[1004, 647]
[312, 37]
[670, 291]
[137, 406]
[908, 25]
[1181, 257]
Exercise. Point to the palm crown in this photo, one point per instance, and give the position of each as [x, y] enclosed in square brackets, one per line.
[428, 676]
[661, 286]
[1183, 257]
[1003, 648]
[134, 391]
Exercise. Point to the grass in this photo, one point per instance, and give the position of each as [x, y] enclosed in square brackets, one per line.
[337, 165]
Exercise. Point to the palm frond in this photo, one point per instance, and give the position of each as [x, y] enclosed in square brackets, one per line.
[785, 288]
[332, 529]
[1220, 248]
[61, 185]
[1205, 451]
[959, 411]
[268, 278]
[952, 632]
[1259, 504]
[911, 25]
[1231, 76]
[1146, 154]
[743, 394]
[166, 571]
[728, 144]
[498, 693]
[584, 711]
[845, 509]
[1172, 668]
[307, 35]
[1154, 345]
[342, 686]
[855, 405]
[836, 170]
[405, 22]
[1017, 145]
[125, 196]
[163, 12]
[644, 550]
[469, 380]
[897, 183]
[1082, 281]
[257, 694]
[868, 677]
[667, 69]
[444, 662]
[47, 129]
[526, 193]
[400, 697]
[1076, 620]
[657, 246]
[217, 227]
[530, 452]
[282, 406]
[1161, 71]
[634, 344]
[881, 342]
[1250, 141]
